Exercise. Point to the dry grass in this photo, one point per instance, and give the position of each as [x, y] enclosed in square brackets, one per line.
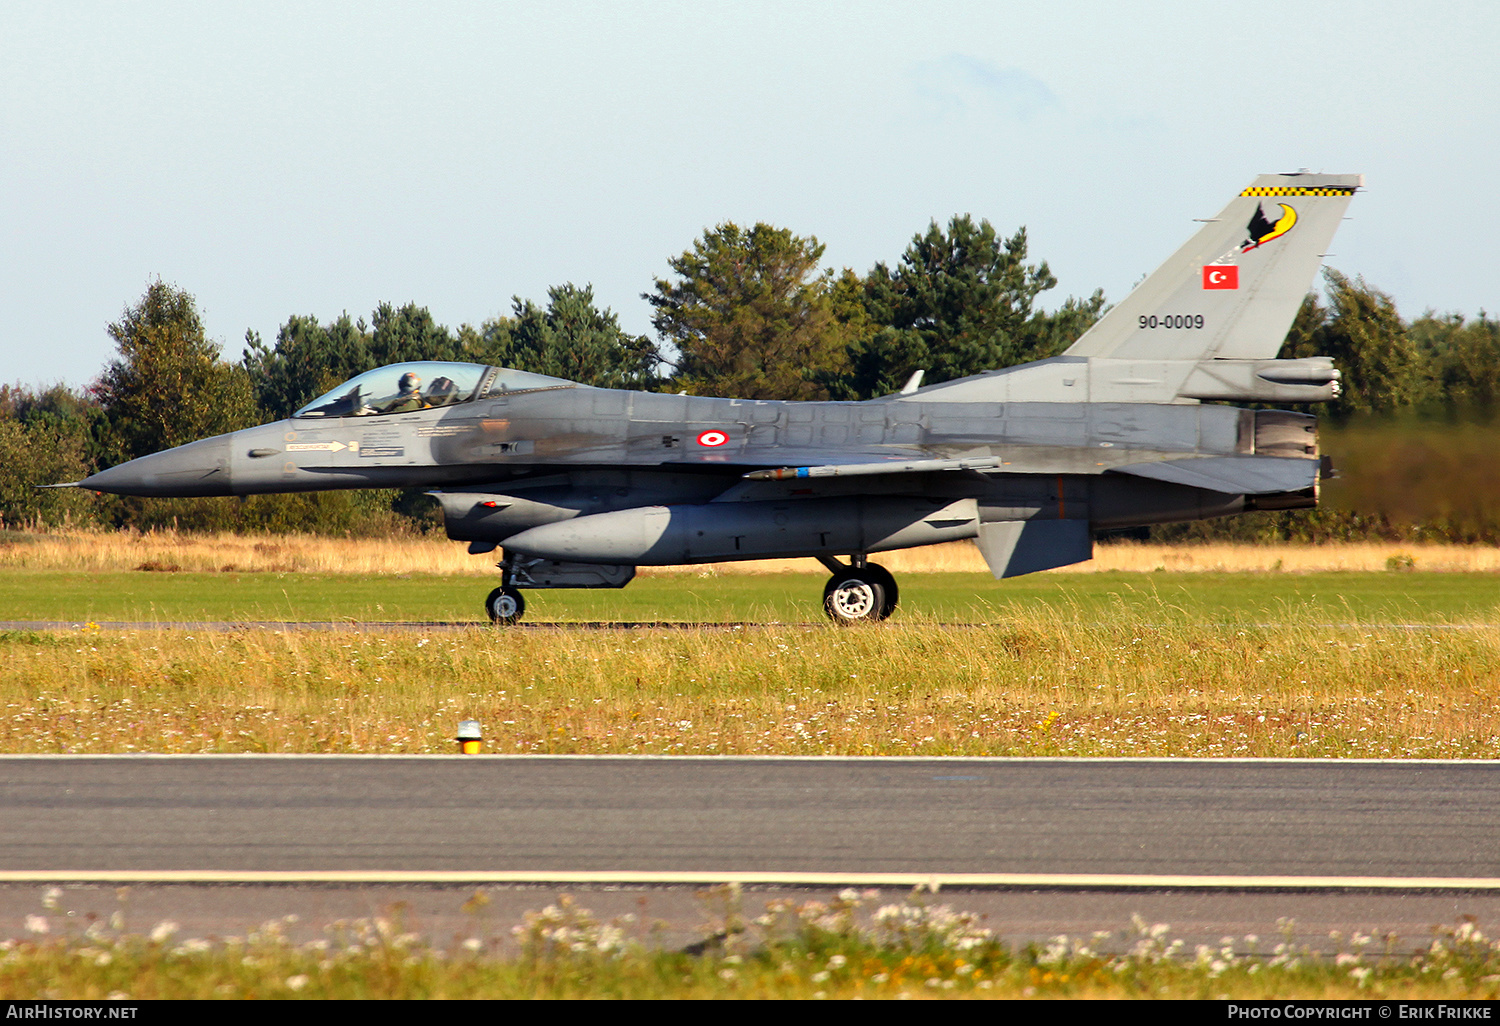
[1293, 558]
[809, 950]
[104, 551]
[112, 551]
[855, 945]
[1144, 683]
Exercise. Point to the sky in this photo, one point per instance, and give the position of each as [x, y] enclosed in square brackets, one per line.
[275, 159]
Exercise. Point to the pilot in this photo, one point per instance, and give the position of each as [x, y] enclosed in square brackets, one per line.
[441, 392]
[410, 396]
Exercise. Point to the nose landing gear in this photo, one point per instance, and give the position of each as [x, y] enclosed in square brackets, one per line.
[505, 606]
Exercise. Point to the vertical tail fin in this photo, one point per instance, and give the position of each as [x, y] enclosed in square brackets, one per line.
[1233, 290]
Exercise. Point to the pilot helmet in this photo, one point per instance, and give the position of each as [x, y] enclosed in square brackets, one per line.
[409, 382]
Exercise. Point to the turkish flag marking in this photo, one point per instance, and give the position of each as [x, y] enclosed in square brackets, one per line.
[1221, 276]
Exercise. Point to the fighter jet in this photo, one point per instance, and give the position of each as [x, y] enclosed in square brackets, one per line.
[579, 486]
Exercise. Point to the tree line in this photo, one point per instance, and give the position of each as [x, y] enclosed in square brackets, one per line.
[745, 312]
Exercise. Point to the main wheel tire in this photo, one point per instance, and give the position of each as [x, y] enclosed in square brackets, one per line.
[505, 606]
[854, 597]
[881, 576]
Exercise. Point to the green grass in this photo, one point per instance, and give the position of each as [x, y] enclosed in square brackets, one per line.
[770, 598]
[1316, 665]
[1148, 679]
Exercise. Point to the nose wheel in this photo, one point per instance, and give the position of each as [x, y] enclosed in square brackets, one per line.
[860, 594]
[505, 606]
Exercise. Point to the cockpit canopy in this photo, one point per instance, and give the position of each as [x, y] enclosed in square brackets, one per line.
[422, 385]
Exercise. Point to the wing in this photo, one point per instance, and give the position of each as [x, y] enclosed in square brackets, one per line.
[1233, 475]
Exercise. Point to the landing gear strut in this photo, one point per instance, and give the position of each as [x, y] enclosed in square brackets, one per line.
[505, 606]
[860, 592]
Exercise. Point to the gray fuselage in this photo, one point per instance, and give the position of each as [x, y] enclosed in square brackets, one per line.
[512, 461]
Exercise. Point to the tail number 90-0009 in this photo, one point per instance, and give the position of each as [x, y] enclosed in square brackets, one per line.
[1171, 321]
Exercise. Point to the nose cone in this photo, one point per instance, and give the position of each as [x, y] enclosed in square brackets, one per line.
[198, 468]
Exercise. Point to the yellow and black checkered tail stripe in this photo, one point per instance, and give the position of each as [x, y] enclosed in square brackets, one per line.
[1293, 190]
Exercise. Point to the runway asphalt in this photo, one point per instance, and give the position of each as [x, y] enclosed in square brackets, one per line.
[820, 818]
[1039, 846]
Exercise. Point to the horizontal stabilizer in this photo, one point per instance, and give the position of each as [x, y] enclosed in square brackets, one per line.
[1233, 475]
[1016, 547]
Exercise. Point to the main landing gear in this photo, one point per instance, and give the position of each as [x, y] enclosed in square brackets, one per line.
[860, 592]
